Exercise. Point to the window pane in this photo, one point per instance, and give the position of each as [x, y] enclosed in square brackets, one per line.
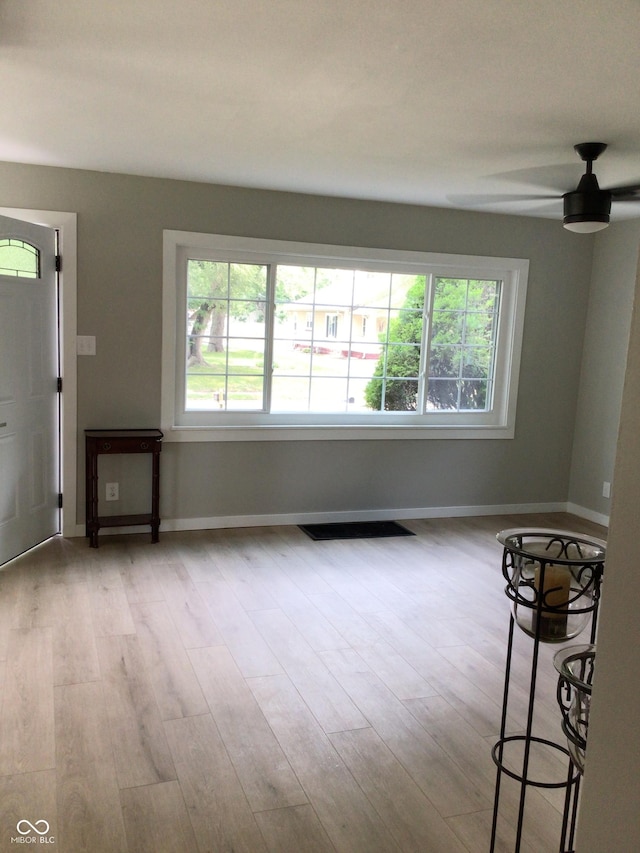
[290, 394]
[405, 293]
[473, 395]
[19, 259]
[445, 361]
[334, 287]
[226, 331]
[447, 326]
[293, 282]
[291, 358]
[212, 349]
[343, 321]
[356, 395]
[482, 295]
[205, 392]
[363, 360]
[403, 360]
[476, 362]
[463, 334]
[328, 394]
[400, 395]
[371, 289]
[207, 279]
[244, 358]
[442, 394]
[244, 392]
[479, 328]
[406, 327]
[394, 385]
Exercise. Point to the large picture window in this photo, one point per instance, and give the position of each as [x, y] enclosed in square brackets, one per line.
[264, 336]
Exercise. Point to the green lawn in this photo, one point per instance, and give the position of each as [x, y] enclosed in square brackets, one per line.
[246, 370]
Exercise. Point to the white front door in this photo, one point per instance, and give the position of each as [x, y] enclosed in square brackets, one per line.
[29, 398]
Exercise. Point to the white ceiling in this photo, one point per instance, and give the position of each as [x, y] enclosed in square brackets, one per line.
[437, 102]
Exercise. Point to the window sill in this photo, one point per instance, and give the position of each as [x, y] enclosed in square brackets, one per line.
[315, 432]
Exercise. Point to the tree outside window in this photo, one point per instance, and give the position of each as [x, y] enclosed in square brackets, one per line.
[461, 346]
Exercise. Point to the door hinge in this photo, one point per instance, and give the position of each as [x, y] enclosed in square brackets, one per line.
[58, 263]
[59, 385]
[60, 500]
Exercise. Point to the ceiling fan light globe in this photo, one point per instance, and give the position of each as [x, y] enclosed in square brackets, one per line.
[586, 226]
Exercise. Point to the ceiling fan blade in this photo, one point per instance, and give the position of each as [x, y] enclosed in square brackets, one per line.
[479, 200]
[559, 177]
[630, 193]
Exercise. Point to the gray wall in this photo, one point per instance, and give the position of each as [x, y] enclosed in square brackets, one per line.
[605, 353]
[120, 224]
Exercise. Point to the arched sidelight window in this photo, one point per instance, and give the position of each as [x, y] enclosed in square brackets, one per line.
[19, 258]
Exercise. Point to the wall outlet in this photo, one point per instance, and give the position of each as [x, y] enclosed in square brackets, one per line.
[606, 490]
[113, 492]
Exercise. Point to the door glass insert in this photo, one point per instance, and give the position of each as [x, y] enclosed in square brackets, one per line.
[19, 258]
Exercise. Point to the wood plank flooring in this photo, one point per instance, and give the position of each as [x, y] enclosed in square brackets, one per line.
[254, 691]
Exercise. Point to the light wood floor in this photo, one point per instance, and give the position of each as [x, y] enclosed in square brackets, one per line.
[253, 690]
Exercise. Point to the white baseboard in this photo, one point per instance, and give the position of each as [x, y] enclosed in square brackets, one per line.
[588, 514]
[216, 522]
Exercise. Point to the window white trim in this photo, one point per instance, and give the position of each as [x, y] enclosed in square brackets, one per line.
[236, 426]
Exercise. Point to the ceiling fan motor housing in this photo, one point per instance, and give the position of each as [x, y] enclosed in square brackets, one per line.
[587, 203]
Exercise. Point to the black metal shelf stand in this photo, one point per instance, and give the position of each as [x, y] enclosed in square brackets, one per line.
[553, 579]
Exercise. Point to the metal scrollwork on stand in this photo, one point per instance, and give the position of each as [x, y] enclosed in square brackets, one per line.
[575, 666]
[553, 579]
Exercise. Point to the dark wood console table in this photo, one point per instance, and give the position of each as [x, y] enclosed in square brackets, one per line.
[100, 441]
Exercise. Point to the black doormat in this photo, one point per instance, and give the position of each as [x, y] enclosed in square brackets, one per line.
[355, 530]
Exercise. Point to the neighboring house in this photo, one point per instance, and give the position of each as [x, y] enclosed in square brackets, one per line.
[350, 323]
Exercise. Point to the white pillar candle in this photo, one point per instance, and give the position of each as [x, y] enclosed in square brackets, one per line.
[556, 588]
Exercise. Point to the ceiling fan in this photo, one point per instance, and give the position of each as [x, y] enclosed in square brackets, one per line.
[587, 208]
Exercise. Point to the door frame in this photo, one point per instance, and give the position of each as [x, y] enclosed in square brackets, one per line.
[67, 226]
